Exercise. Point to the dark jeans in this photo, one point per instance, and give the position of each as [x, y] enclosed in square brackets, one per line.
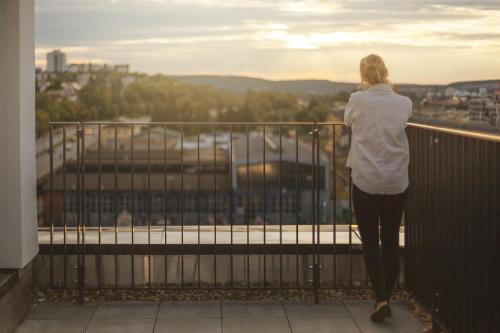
[370, 211]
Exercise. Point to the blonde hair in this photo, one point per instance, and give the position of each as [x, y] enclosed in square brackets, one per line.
[373, 70]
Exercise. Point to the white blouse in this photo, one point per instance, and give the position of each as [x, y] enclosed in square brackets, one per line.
[379, 154]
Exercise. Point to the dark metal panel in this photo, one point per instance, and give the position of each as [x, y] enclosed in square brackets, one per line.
[449, 223]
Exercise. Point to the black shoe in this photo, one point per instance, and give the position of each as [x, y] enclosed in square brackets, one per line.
[381, 313]
[389, 304]
[390, 312]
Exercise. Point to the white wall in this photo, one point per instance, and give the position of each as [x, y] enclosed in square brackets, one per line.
[18, 237]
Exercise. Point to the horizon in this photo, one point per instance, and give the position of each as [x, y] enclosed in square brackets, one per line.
[423, 42]
[316, 79]
[298, 79]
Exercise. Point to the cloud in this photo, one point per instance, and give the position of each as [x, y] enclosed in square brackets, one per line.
[68, 49]
[270, 37]
[292, 6]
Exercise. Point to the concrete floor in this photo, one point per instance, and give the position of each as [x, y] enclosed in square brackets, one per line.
[216, 316]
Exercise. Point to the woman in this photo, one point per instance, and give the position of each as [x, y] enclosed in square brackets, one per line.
[378, 159]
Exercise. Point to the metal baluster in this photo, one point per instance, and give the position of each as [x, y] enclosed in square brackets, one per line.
[115, 203]
[64, 207]
[198, 203]
[99, 213]
[165, 186]
[280, 205]
[51, 210]
[182, 204]
[349, 216]
[334, 207]
[231, 198]
[297, 206]
[150, 203]
[84, 216]
[79, 133]
[248, 204]
[264, 206]
[132, 203]
[215, 208]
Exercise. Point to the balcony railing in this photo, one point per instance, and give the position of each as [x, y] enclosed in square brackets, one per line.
[452, 226]
[234, 197]
[263, 206]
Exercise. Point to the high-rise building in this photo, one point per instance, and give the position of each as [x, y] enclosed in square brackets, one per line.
[56, 61]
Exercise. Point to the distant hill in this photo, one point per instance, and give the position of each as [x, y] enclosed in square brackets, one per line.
[242, 84]
[467, 85]
[490, 84]
[322, 87]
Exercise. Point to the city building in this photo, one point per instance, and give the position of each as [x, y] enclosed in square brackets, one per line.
[485, 112]
[77, 68]
[83, 68]
[122, 68]
[96, 67]
[208, 181]
[56, 61]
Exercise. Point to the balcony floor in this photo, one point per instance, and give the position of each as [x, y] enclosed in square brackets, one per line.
[216, 316]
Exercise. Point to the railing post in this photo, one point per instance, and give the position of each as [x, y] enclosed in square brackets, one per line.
[316, 206]
[80, 265]
[436, 328]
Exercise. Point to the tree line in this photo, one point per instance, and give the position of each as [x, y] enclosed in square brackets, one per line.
[106, 97]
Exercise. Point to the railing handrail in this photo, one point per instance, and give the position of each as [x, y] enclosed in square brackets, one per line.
[196, 123]
[448, 130]
[456, 131]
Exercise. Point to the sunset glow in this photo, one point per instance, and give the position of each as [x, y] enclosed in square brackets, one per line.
[422, 41]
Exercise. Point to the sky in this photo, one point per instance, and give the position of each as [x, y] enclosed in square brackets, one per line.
[422, 41]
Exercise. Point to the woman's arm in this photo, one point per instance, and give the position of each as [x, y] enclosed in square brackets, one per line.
[349, 110]
[410, 110]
